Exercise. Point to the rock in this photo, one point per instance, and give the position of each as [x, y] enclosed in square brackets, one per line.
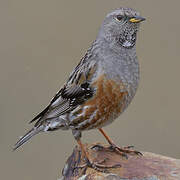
[147, 167]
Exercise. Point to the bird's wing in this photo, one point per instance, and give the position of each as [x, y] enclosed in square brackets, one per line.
[76, 91]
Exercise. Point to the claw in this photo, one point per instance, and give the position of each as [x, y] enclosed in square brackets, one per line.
[139, 153]
[125, 150]
[128, 147]
[125, 155]
[98, 147]
[98, 166]
[122, 151]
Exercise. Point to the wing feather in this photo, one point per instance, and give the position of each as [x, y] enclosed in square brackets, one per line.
[76, 91]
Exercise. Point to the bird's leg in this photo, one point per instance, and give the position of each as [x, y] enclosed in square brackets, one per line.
[95, 165]
[121, 150]
[89, 163]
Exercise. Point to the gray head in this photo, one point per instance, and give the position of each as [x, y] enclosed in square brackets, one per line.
[120, 27]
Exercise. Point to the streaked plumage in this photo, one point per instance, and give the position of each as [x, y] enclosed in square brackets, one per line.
[101, 86]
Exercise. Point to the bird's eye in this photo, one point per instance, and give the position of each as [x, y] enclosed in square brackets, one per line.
[119, 17]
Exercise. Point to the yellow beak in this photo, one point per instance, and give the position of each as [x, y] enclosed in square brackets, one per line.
[137, 19]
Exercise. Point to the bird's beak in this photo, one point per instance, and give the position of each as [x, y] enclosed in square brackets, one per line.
[137, 19]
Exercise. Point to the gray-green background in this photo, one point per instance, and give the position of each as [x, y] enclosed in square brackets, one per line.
[42, 40]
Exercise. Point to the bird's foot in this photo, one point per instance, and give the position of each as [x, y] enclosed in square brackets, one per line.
[124, 151]
[98, 166]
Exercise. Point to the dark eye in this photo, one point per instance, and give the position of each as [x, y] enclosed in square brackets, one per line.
[119, 17]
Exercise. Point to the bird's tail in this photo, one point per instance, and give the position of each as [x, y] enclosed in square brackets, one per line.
[27, 136]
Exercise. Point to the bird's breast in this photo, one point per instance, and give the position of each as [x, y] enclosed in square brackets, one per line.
[109, 100]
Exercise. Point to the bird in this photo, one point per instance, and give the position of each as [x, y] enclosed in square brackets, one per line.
[100, 87]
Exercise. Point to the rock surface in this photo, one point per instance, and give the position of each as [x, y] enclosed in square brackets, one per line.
[147, 167]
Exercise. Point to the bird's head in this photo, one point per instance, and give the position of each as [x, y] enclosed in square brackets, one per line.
[120, 27]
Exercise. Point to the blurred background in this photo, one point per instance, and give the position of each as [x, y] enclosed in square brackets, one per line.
[40, 43]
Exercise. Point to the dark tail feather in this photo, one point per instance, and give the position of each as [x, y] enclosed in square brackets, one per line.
[27, 136]
[40, 114]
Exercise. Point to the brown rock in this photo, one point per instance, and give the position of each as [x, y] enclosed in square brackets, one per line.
[147, 167]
